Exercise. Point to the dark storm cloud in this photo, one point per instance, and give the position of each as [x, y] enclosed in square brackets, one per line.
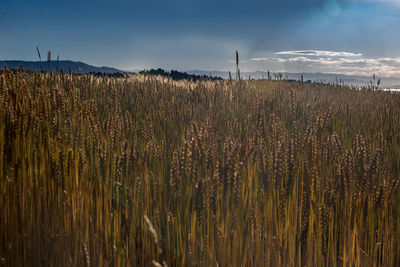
[188, 34]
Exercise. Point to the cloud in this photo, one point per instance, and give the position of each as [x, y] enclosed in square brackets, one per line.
[263, 58]
[318, 53]
[335, 62]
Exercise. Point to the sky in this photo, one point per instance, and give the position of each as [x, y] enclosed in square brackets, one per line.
[331, 36]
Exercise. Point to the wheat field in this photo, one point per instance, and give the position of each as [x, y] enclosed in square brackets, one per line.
[146, 171]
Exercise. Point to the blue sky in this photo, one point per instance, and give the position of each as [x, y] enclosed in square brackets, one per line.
[352, 36]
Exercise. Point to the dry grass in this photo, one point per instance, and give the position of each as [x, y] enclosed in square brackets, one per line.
[142, 170]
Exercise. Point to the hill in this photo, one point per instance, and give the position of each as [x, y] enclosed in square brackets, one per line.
[66, 65]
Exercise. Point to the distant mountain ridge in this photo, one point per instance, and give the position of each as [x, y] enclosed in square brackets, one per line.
[388, 82]
[81, 67]
[77, 66]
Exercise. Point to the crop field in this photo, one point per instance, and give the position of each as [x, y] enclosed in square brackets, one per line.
[146, 171]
